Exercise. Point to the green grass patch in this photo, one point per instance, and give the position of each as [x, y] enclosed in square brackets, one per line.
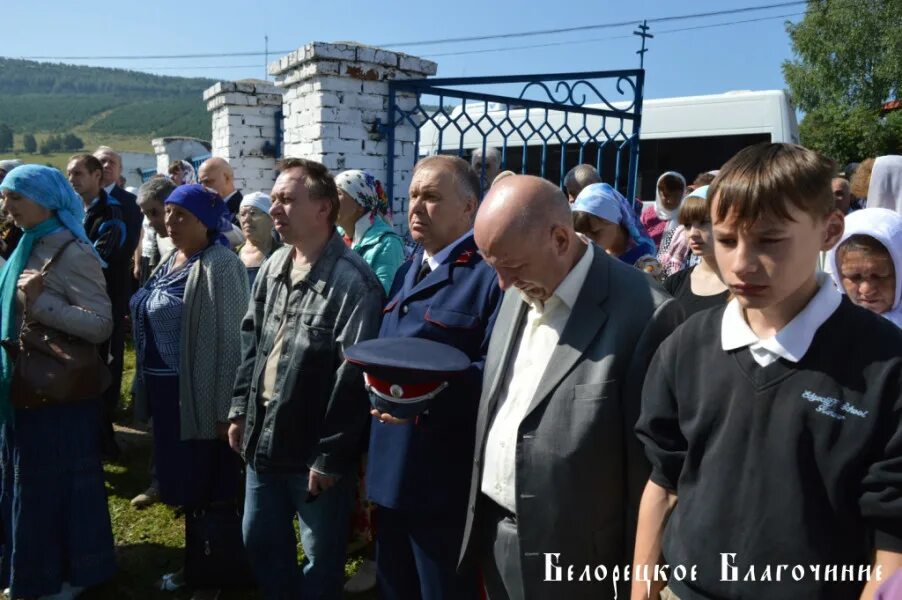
[151, 542]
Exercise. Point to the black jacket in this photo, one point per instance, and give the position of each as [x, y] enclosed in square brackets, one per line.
[131, 215]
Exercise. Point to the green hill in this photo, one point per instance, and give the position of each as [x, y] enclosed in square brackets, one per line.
[125, 108]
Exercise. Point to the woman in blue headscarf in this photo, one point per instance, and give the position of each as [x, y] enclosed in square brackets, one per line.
[187, 327]
[56, 529]
[602, 214]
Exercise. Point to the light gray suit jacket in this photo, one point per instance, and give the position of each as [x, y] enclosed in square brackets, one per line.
[580, 470]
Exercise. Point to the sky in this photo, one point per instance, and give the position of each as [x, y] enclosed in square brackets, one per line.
[742, 56]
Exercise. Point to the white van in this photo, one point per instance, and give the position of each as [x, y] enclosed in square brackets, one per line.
[690, 135]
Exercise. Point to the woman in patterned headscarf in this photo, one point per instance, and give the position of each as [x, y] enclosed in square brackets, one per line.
[56, 532]
[364, 216]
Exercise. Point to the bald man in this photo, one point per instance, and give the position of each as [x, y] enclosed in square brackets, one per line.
[557, 471]
[216, 174]
[578, 178]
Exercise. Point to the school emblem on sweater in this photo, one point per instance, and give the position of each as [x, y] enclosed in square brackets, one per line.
[832, 407]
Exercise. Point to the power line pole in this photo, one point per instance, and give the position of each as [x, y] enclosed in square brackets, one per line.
[265, 57]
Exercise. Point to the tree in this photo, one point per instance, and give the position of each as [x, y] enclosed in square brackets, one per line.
[28, 141]
[72, 142]
[848, 64]
[54, 143]
[6, 137]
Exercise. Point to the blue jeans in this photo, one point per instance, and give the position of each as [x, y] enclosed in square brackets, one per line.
[271, 502]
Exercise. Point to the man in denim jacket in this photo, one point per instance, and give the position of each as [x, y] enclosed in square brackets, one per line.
[299, 411]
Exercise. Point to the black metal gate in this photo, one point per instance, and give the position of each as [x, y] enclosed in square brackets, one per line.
[544, 126]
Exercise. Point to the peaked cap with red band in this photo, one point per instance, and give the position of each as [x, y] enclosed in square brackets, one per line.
[404, 374]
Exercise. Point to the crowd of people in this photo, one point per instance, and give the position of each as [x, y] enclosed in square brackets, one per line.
[665, 399]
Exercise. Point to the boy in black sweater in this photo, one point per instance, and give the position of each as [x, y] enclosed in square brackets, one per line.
[773, 424]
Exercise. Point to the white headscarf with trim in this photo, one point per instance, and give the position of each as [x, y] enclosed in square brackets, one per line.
[664, 214]
[885, 226]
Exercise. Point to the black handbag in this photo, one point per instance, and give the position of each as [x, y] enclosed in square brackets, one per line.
[214, 550]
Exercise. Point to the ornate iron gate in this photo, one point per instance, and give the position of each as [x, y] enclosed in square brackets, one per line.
[540, 124]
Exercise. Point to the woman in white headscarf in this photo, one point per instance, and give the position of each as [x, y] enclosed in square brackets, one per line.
[867, 261]
[256, 225]
[661, 219]
[885, 189]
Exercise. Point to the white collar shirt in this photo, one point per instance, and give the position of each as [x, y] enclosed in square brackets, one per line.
[538, 336]
[793, 340]
[444, 253]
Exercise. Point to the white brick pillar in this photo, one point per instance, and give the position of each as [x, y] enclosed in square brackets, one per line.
[168, 149]
[244, 130]
[335, 95]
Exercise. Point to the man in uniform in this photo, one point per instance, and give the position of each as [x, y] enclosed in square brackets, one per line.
[418, 469]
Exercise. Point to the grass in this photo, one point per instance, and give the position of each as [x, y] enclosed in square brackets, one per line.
[123, 143]
[150, 542]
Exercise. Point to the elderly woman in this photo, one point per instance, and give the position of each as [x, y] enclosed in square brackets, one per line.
[256, 225]
[56, 529]
[363, 216]
[603, 215]
[866, 264]
[186, 324]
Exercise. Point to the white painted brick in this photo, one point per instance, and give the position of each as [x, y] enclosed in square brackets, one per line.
[365, 54]
[340, 115]
[338, 84]
[369, 162]
[315, 131]
[379, 88]
[336, 51]
[333, 162]
[366, 101]
[343, 146]
[375, 148]
[325, 99]
[274, 99]
[260, 120]
[417, 66]
[352, 132]
[386, 57]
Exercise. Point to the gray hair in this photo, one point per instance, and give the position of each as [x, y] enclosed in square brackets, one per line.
[156, 189]
[491, 154]
[107, 150]
[579, 177]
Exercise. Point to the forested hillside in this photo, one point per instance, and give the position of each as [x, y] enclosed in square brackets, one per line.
[44, 98]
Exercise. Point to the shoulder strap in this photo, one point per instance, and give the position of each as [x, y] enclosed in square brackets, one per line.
[55, 256]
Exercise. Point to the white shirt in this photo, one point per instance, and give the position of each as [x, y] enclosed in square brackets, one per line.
[538, 337]
[362, 225]
[791, 342]
[441, 255]
[109, 188]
